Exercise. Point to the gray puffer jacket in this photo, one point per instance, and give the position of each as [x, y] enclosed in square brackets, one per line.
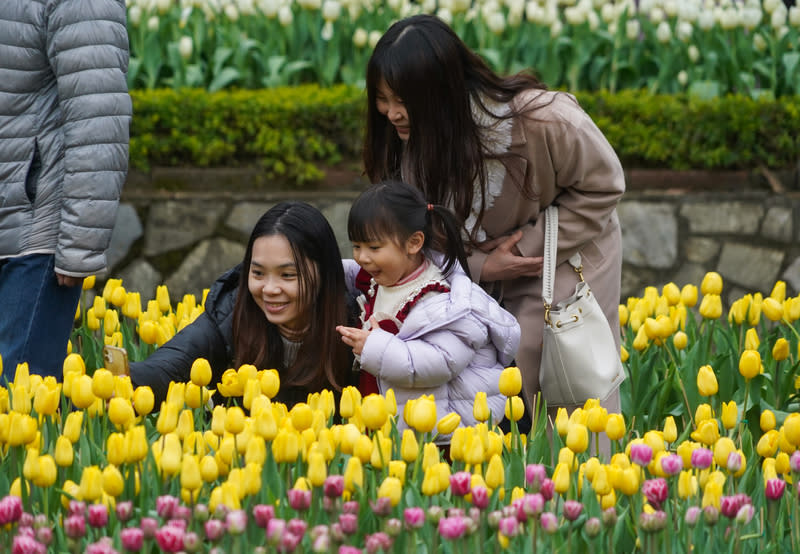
[64, 122]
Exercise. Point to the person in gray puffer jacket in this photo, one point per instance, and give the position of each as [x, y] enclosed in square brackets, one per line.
[64, 128]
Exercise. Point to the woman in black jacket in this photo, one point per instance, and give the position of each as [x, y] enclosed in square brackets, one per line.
[278, 309]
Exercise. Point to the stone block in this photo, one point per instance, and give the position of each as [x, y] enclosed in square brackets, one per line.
[792, 277]
[176, 224]
[701, 250]
[127, 230]
[139, 276]
[201, 267]
[753, 267]
[649, 234]
[723, 217]
[777, 224]
[244, 216]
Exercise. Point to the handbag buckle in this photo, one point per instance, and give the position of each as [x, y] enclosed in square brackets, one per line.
[547, 313]
[579, 271]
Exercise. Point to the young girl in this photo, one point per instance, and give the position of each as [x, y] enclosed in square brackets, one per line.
[424, 330]
[277, 309]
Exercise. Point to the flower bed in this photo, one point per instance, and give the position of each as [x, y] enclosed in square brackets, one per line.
[704, 458]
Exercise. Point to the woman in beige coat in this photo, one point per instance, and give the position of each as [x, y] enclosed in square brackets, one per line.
[498, 150]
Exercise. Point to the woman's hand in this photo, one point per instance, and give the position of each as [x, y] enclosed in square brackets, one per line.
[506, 262]
[354, 337]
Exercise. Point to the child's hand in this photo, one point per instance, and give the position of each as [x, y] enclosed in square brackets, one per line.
[354, 337]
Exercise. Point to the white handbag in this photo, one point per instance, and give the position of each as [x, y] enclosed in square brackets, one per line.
[580, 359]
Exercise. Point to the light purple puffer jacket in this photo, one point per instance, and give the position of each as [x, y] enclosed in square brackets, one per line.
[451, 345]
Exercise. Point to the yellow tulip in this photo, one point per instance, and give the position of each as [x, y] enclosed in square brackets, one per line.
[670, 429]
[143, 400]
[671, 293]
[680, 340]
[423, 414]
[577, 438]
[702, 413]
[640, 342]
[110, 322]
[391, 488]
[353, 474]
[780, 350]
[615, 426]
[201, 372]
[21, 399]
[772, 309]
[381, 450]
[397, 469]
[448, 423]
[600, 482]
[480, 409]
[561, 478]
[791, 429]
[235, 419]
[711, 306]
[91, 484]
[113, 483]
[136, 445]
[230, 385]
[768, 443]
[495, 473]
[623, 354]
[515, 408]
[120, 412]
[510, 381]
[722, 449]
[430, 455]
[767, 420]
[689, 295]
[624, 314]
[82, 395]
[596, 418]
[374, 412]
[730, 413]
[115, 449]
[750, 364]
[782, 463]
[162, 297]
[707, 432]
[711, 284]
[46, 473]
[64, 454]
[191, 477]
[562, 422]
[167, 420]
[171, 455]
[72, 426]
[687, 485]
[751, 340]
[409, 448]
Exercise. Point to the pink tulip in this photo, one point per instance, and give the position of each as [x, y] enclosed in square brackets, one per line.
[609, 517]
[672, 464]
[180, 523]
[349, 523]
[592, 527]
[10, 509]
[734, 462]
[656, 491]
[321, 543]
[124, 510]
[452, 527]
[377, 542]
[794, 461]
[262, 513]
[774, 488]
[652, 522]
[535, 474]
[236, 522]
[509, 526]
[347, 549]
[149, 526]
[547, 490]
[297, 526]
[165, 506]
[333, 486]
[702, 458]
[98, 515]
[381, 506]
[692, 515]
[170, 538]
[24, 544]
[77, 507]
[549, 522]
[351, 507]
[288, 542]
[480, 497]
[745, 514]
[276, 528]
[460, 483]
[182, 512]
[191, 542]
[44, 535]
[414, 517]
[641, 454]
[75, 526]
[132, 539]
[299, 499]
[201, 512]
[572, 509]
[103, 546]
[531, 505]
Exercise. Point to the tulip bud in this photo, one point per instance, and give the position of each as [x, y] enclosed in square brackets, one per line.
[750, 364]
[510, 382]
[711, 284]
[448, 423]
[780, 351]
[374, 412]
[480, 409]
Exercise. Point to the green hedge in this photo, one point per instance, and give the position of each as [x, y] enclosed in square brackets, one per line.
[291, 132]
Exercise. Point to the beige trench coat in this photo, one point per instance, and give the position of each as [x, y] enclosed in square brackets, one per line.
[566, 160]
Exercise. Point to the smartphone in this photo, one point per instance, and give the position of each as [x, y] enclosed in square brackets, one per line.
[116, 360]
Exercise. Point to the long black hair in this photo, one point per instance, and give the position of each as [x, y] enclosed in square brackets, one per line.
[395, 210]
[441, 81]
[323, 361]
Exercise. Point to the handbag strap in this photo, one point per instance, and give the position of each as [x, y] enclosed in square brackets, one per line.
[550, 253]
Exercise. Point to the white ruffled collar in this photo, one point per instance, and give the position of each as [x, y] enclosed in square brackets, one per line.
[496, 138]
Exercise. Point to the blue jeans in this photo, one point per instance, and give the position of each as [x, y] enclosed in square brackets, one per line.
[36, 315]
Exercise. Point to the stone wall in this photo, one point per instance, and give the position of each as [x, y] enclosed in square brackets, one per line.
[673, 230]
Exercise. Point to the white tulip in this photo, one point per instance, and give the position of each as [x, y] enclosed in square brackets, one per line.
[429, 6]
[657, 15]
[593, 19]
[694, 53]
[135, 15]
[327, 31]
[632, 29]
[794, 16]
[285, 16]
[705, 20]
[663, 32]
[360, 38]
[231, 12]
[646, 6]
[163, 6]
[555, 28]
[550, 14]
[574, 16]
[778, 18]
[751, 17]
[331, 9]
[780, 33]
[759, 43]
[496, 22]
[771, 5]
[612, 28]
[374, 37]
[152, 23]
[671, 8]
[516, 8]
[185, 47]
[247, 7]
[445, 15]
[460, 6]
[269, 8]
[683, 30]
[608, 13]
[683, 77]
[730, 18]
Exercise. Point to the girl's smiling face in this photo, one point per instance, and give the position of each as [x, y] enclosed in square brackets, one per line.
[392, 106]
[274, 283]
[389, 261]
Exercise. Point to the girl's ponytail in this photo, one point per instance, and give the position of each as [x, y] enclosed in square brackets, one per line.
[448, 233]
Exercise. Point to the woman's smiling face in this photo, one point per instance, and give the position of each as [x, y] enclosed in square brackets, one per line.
[392, 106]
[274, 283]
